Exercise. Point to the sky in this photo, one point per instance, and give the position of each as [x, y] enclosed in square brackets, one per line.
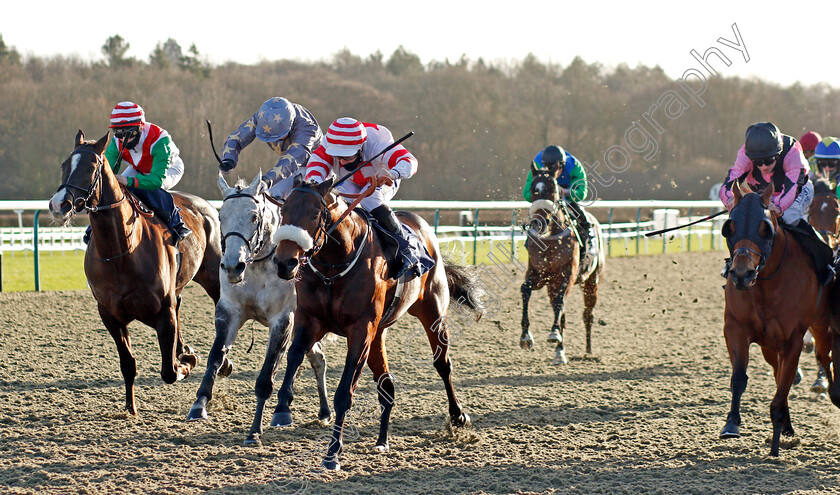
[783, 42]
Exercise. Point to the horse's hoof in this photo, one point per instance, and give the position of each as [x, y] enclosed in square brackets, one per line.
[190, 360]
[325, 417]
[197, 413]
[560, 357]
[226, 368]
[526, 344]
[798, 376]
[731, 430]
[820, 385]
[381, 448]
[331, 465]
[281, 419]
[461, 421]
[554, 337]
[808, 346]
[253, 440]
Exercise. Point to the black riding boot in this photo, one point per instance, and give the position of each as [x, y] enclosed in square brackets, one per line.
[820, 252]
[163, 206]
[386, 218]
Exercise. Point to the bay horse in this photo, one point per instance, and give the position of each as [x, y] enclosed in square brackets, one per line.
[772, 297]
[554, 261]
[134, 267]
[824, 212]
[343, 287]
[251, 290]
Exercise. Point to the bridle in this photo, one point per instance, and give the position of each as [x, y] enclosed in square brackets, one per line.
[320, 240]
[257, 241]
[83, 204]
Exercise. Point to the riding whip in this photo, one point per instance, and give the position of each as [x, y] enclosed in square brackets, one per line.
[387, 149]
[713, 215]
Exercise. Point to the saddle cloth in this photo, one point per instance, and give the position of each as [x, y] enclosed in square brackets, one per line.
[406, 255]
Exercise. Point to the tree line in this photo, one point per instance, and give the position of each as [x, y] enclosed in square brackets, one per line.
[477, 124]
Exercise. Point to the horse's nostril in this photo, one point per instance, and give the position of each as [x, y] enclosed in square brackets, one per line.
[292, 263]
[240, 266]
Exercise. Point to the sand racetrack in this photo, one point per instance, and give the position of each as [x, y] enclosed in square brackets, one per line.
[642, 415]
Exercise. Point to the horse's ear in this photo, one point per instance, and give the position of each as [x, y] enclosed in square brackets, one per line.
[80, 137]
[298, 180]
[727, 228]
[736, 191]
[102, 143]
[534, 168]
[324, 187]
[224, 187]
[766, 195]
[253, 187]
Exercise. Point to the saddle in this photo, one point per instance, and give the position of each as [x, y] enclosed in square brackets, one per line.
[405, 255]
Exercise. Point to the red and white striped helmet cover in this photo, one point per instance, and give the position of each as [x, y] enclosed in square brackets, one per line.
[127, 113]
[345, 137]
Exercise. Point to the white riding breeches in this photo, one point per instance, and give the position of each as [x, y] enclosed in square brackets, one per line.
[799, 208]
[380, 196]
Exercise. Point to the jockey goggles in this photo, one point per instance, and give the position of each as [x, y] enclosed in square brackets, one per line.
[828, 162]
[763, 162]
[127, 132]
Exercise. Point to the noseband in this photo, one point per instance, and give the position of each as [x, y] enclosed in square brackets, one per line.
[95, 184]
[320, 237]
[257, 237]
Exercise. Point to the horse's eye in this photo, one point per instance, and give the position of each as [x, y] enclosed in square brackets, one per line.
[254, 218]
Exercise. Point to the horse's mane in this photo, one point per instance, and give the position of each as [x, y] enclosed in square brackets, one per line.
[822, 186]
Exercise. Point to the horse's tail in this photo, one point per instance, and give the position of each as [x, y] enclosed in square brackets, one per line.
[464, 287]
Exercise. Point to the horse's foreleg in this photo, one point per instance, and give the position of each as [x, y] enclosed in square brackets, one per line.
[306, 332]
[779, 409]
[228, 322]
[167, 330]
[278, 341]
[822, 352]
[358, 348]
[558, 292]
[526, 341]
[128, 365]
[739, 356]
[319, 366]
[590, 298]
[378, 363]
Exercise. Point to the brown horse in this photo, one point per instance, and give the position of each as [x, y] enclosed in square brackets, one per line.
[772, 297]
[824, 212]
[554, 261]
[134, 268]
[344, 288]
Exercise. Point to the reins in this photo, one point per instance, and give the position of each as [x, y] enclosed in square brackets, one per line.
[260, 239]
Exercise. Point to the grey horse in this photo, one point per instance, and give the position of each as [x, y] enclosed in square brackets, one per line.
[251, 290]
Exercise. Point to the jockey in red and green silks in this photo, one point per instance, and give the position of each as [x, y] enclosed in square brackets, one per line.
[153, 165]
[572, 181]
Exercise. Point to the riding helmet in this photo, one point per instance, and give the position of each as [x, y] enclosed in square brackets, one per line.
[553, 154]
[345, 137]
[810, 140]
[763, 140]
[828, 148]
[274, 119]
[127, 113]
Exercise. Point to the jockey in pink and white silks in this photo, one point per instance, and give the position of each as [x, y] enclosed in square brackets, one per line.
[768, 156]
[345, 149]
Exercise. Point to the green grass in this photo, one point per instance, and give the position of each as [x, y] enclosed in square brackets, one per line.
[59, 271]
[617, 247]
[65, 270]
